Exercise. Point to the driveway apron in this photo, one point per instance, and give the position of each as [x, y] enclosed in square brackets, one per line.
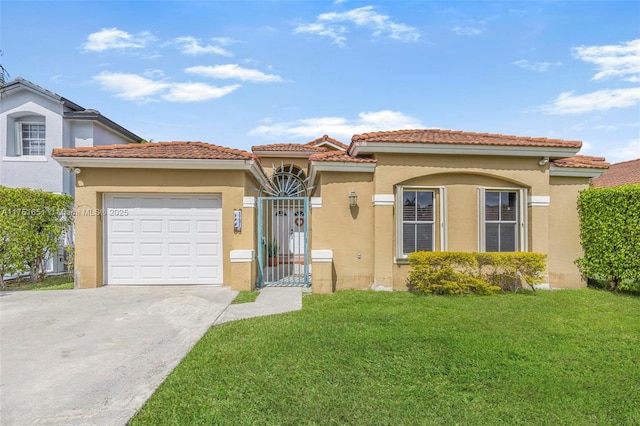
[93, 357]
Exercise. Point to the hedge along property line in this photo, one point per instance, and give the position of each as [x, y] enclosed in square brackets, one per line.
[479, 273]
[610, 234]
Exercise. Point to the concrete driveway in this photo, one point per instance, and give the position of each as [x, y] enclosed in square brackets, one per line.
[93, 357]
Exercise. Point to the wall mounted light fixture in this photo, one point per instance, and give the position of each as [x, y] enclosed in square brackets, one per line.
[543, 161]
[353, 198]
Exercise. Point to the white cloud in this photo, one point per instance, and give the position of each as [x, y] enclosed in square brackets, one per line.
[134, 87]
[468, 31]
[630, 151]
[328, 25]
[131, 87]
[335, 32]
[191, 46]
[620, 60]
[601, 100]
[233, 71]
[196, 92]
[113, 38]
[337, 127]
[535, 66]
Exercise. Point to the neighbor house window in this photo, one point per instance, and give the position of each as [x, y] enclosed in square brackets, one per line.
[502, 221]
[31, 139]
[419, 220]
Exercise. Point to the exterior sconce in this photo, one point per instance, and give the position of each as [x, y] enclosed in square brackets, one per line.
[353, 198]
[543, 161]
[237, 221]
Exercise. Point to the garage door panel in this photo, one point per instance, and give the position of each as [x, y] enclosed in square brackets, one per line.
[164, 239]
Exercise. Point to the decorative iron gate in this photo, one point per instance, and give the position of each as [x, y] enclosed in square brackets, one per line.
[283, 230]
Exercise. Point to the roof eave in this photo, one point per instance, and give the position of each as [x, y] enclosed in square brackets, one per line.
[155, 163]
[363, 147]
[104, 121]
[584, 172]
[292, 154]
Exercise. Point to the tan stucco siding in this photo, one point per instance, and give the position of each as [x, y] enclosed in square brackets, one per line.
[92, 184]
[461, 177]
[346, 231]
[564, 231]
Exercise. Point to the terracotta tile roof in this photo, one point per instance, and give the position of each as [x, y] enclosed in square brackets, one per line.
[581, 161]
[173, 150]
[624, 173]
[437, 136]
[340, 156]
[326, 138]
[297, 147]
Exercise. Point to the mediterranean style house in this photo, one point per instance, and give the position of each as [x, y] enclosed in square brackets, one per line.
[322, 214]
[33, 122]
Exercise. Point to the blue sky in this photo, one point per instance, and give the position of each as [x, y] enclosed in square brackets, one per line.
[243, 73]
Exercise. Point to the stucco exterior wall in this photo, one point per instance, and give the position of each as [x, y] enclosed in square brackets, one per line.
[564, 229]
[345, 230]
[32, 172]
[92, 183]
[268, 162]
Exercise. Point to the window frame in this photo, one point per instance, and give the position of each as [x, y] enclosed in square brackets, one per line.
[19, 149]
[439, 215]
[522, 242]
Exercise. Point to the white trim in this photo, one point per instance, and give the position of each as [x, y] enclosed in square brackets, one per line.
[539, 201]
[576, 172]
[322, 256]
[325, 166]
[249, 202]
[439, 220]
[521, 221]
[27, 158]
[163, 163]
[316, 202]
[364, 147]
[324, 142]
[241, 256]
[383, 199]
[285, 153]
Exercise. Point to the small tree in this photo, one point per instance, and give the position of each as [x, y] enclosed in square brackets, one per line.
[610, 233]
[32, 223]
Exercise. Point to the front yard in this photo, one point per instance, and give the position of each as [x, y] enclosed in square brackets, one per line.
[356, 357]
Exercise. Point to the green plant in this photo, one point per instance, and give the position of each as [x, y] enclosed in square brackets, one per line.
[272, 248]
[32, 223]
[479, 273]
[610, 234]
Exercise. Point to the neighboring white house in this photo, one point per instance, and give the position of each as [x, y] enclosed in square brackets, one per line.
[34, 121]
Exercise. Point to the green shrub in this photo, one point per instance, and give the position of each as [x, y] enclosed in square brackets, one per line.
[610, 235]
[474, 273]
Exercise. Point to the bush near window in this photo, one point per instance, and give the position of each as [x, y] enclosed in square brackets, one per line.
[610, 235]
[32, 223]
[474, 273]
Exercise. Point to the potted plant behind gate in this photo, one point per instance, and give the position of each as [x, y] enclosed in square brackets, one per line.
[272, 252]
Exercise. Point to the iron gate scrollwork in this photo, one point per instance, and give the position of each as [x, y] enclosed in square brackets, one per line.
[283, 229]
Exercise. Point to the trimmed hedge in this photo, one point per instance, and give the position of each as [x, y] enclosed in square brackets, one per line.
[474, 273]
[610, 235]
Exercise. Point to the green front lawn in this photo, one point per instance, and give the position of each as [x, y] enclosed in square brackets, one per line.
[54, 282]
[357, 357]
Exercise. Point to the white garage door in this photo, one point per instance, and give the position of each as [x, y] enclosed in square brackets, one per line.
[163, 239]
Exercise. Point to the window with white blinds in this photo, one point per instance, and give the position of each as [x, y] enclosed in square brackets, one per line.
[420, 227]
[502, 220]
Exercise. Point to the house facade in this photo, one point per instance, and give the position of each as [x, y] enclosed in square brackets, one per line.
[33, 122]
[322, 214]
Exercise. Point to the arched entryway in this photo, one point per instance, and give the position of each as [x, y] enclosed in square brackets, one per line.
[283, 229]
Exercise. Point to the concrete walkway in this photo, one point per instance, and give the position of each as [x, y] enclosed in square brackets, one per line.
[271, 300]
[93, 357]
